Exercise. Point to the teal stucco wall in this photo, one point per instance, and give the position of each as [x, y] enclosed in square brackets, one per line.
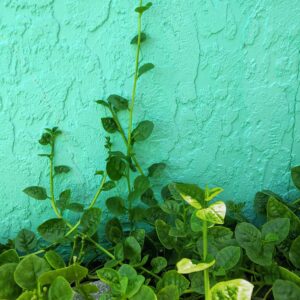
[224, 95]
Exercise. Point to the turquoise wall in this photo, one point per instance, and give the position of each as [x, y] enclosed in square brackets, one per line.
[224, 95]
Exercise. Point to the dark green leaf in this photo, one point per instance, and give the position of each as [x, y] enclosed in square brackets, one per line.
[36, 192]
[158, 264]
[135, 39]
[169, 292]
[145, 68]
[60, 289]
[54, 260]
[248, 236]
[109, 125]
[154, 169]
[109, 185]
[114, 231]
[162, 230]
[25, 241]
[141, 184]
[228, 257]
[142, 9]
[278, 228]
[116, 205]
[285, 290]
[64, 199]
[76, 207]
[132, 249]
[294, 253]
[9, 256]
[118, 102]
[90, 220]
[29, 270]
[142, 131]
[9, 290]
[102, 102]
[45, 139]
[115, 168]
[296, 176]
[53, 230]
[62, 169]
[148, 198]
[170, 207]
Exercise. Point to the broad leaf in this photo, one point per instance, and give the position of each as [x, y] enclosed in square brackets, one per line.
[29, 270]
[36, 192]
[115, 168]
[113, 231]
[215, 213]
[145, 68]
[228, 257]
[132, 249]
[248, 236]
[8, 288]
[118, 102]
[276, 229]
[142, 131]
[60, 289]
[162, 230]
[90, 220]
[25, 241]
[54, 260]
[158, 264]
[186, 266]
[191, 193]
[236, 289]
[145, 293]
[9, 256]
[285, 290]
[53, 230]
[116, 205]
[109, 125]
[154, 169]
[169, 292]
[296, 176]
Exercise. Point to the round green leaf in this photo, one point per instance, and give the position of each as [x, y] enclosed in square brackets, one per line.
[25, 241]
[60, 290]
[116, 205]
[9, 256]
[162, 230]
[118, 102]
[142, 131]
[145, 293]
[169, 292]
[53, 230]
[115, 168]
[278, 227]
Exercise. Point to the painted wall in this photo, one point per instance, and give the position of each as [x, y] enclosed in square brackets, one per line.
[224, 95]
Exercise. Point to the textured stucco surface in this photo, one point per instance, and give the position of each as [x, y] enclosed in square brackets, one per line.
[224, 96]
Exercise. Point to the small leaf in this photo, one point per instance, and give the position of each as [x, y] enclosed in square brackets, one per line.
[108, 185]
[170, 207]
[156, 168]
[158, 264]
[169, 292]
[54, 260]
[148, 198]
[114, 231]
[36, 192]
[141, 184]
[285, 290]
[186, 266]
[62, 169]
[45, 139]
[132, 249]
[76, 207]
[25, 241]
[142, 9]
[64, 199]
[214, 214]
[115, 168]
[135, 39]
[109, 276]
[296, 176]
[118, 102]
[279, 227]
[212, 193]
[28, 271]
[53, 230]
[116, 205]
[109, 125]
[162, 230]
[90, 220]
[237, 289]
[142, 131]
[228, 257]
[294, 253]
[145, 68]
[102, 102]
[60, 290]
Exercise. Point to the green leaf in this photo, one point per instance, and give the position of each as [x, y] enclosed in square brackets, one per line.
[9, 290]
[36, 192]
[54, 260]
[116, 205]
[115, 168]
[279, 228]
[196, 223]
[296, 176]
[173, 278]
[145, 293]
[132, 249]
[236, 289]
[154, 169]
[53, 230]
[285, 290]
[135, 39]
[27, 296]
[170, 292]
[142, 9]
[162, 230]
[29, 270]
[170, 207]
[186, 266]
[141, 184]
[109, 185]
[60, 290]
[109, 276]
[102, 102]
[118, 102]
[137, 213]
[90, 220]
[9, 256]
[76, 207]
[294, 253]
[288, 275]
[228, 257]
[142, 131]
[72, 274]
[64, 199]
[139, 235]
[214, 214]
[45, 139]
[191, 193]
[276, 209]
[158, 264]
[25, 241]
[145, 68]
[210, 194]
[113, 231]
[148, 198]
[62, 169]
[109, 125]
[248, 236]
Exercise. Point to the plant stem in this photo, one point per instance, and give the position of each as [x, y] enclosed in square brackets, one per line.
[100, 247]
[52, 197]
[249, 271]
[267, 294]
[150, 273]
[99, 190]
[134, 81]
[206, 271]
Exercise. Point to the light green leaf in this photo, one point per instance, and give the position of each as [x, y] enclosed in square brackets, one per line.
[145, 293]
[169, 292]
[214, 214]
[26, 296]
[289, 275]
[54, 260]
[236, 289]
[210, 194]
[158, 264]
[186, 266]
[60, 290]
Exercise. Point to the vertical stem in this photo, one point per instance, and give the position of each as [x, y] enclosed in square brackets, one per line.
[52, 197]
[206, 272]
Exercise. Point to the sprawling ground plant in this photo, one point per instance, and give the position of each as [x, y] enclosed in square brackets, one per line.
[192, 249]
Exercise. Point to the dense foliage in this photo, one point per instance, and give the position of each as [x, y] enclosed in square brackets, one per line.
[192, 247]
